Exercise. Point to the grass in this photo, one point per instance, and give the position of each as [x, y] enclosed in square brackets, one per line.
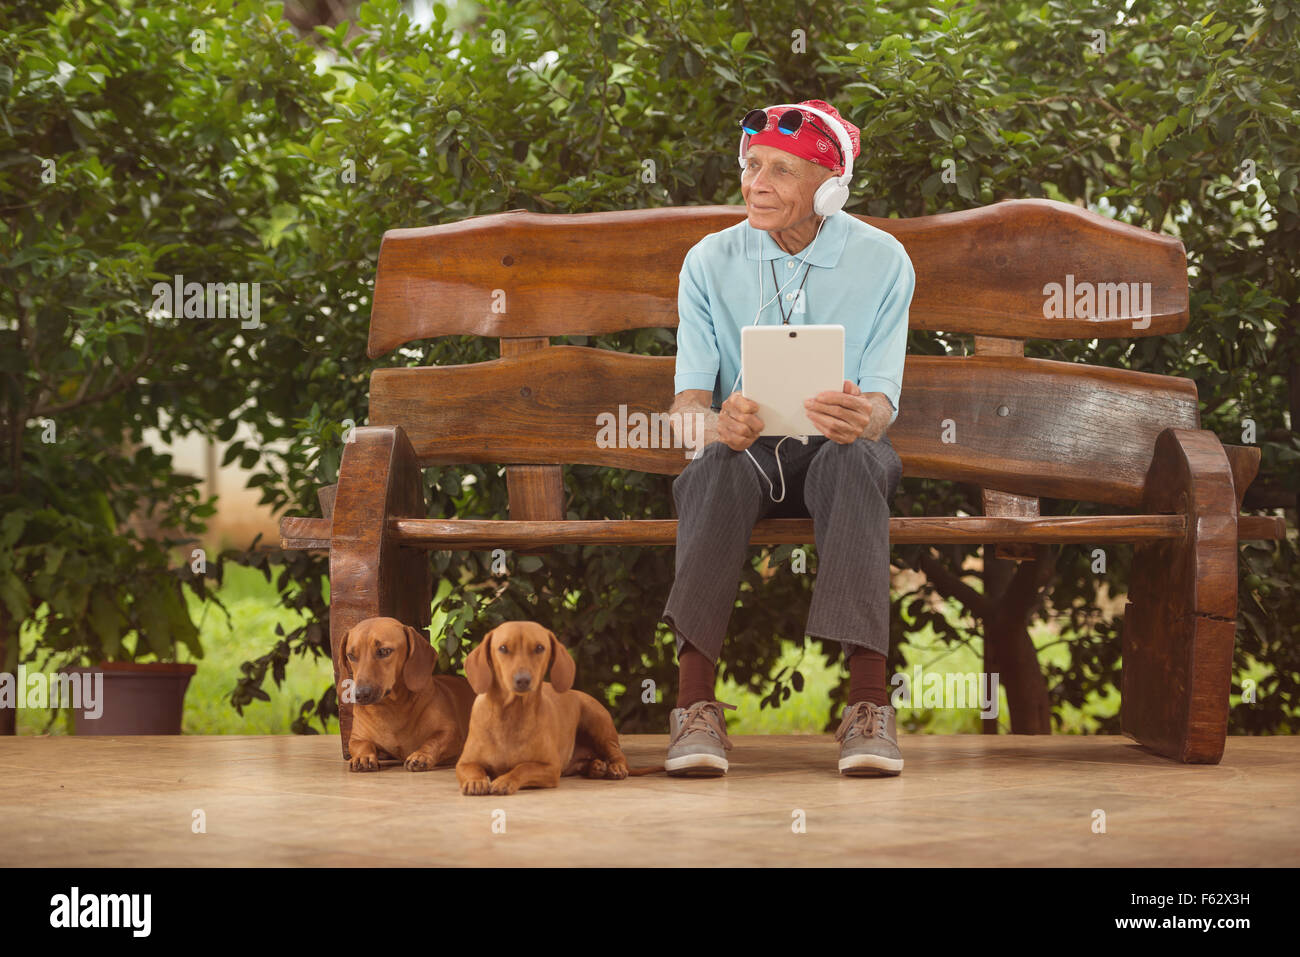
[249, 634]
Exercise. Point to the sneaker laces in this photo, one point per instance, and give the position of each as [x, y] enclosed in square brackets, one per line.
[863, 718]
[708, 718]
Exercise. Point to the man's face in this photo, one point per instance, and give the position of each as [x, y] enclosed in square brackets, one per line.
[778, 187]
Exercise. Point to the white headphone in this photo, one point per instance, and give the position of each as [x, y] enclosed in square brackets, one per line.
[834, 193]
[827, 201]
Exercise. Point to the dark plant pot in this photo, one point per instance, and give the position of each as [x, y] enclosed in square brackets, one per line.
[138, 698]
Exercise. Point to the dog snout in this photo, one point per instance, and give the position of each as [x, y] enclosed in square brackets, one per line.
[523, 680]
[365, 694]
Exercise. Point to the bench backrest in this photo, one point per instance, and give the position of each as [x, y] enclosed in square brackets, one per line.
[998, 419]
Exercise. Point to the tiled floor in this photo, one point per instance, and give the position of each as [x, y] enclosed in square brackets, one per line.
[963, 800]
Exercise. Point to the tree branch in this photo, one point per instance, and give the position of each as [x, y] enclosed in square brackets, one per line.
[950, 586]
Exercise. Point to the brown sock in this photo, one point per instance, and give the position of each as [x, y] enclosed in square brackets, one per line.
[867, 677]
[695, 677]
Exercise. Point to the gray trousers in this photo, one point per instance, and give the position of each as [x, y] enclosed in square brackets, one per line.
[845, 489]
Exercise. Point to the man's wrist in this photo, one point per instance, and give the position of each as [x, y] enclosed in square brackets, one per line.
[881, 410]
[704, 427]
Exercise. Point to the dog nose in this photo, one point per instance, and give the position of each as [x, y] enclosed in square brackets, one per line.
[523, 680]
[364, 693]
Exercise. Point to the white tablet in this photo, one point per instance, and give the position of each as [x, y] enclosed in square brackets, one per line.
[783, 366]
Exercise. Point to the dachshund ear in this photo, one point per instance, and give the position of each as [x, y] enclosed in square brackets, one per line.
[480, 670]
[563, 669]
[347, 665]
[417, 673]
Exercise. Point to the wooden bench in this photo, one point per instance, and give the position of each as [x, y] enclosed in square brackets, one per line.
[1025, 428]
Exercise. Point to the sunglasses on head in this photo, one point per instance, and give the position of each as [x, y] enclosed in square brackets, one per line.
[790, 121]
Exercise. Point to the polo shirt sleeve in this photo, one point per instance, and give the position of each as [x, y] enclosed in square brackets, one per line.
[882, 361]
[697, 343]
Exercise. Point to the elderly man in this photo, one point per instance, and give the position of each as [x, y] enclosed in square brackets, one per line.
[861, 278]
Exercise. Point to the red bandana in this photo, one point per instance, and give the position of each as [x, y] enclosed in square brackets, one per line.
[810, 141]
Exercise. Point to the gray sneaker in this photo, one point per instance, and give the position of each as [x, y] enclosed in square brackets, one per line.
[868, 739]
[697, 740]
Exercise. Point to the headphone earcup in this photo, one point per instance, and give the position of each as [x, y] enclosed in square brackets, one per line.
[830, 197]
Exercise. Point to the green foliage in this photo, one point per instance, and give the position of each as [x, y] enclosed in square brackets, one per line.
[256, 159]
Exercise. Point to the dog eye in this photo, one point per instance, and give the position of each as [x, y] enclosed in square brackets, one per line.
[539, 649]
[351, 656]
[383, 652]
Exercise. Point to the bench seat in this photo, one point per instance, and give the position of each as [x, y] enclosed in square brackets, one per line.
[1019, 429]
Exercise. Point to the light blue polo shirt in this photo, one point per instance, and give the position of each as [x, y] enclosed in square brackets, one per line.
[860, 277]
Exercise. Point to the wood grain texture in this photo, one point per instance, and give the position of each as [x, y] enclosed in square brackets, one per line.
[535, 492]
[488, 533]
[1180, 618]
[1244, 460]
[1032, 427]
[325, 497]
[998, 503]
[998, 346]
[980, 271]
[371, 574]
[297, 532]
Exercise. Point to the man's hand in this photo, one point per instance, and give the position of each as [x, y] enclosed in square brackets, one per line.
[735, 425]
[738, 426]
[846, 416]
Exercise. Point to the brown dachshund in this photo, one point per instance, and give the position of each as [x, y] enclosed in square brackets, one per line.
[401, 706]
[525, 732]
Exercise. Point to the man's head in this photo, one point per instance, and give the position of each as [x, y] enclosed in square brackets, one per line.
[778, 187]
[783, 170]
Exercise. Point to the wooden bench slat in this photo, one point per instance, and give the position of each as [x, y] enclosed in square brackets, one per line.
[1258, 528]
[469, 533]
[304, 533]
[301, 532]
[1032, 427]
[979, 271]
[998, 503]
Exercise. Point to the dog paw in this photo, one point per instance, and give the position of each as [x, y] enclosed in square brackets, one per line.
[477, 786]
[504, 786]
[420, 762]
[364, 762]
[616, 770]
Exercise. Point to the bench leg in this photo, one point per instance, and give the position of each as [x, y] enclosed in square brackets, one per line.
[370, 575]
[1181, 616]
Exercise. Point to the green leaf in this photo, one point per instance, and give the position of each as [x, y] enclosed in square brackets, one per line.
[103, 509]
[107, 622]
[739, 41]
[14, 596]
[152, 613]
[11, 528]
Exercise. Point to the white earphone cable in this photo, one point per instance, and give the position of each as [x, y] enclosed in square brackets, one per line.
[763, 305]
[846, 150]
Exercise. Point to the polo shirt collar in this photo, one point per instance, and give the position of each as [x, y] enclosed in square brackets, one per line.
[759, 244]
